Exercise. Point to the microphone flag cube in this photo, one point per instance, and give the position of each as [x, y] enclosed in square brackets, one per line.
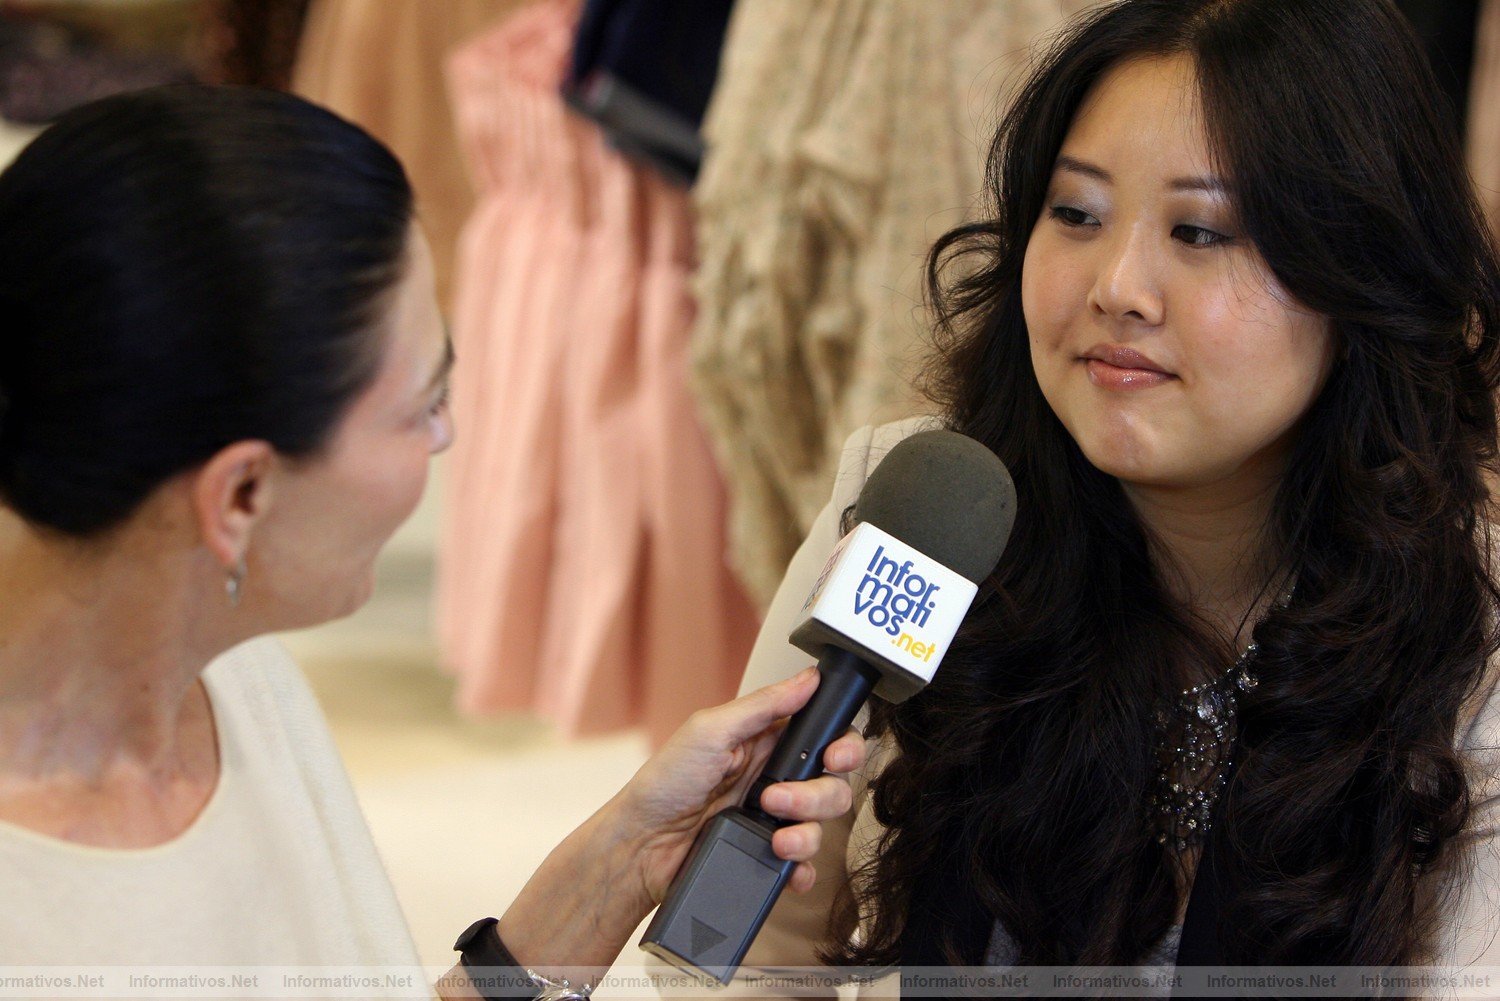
[881, 599]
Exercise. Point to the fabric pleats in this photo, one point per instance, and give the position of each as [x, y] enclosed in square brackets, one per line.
[582, 570]
[844, 137]
[379, 63]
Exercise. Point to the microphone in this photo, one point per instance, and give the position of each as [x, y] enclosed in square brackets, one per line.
[931, 522]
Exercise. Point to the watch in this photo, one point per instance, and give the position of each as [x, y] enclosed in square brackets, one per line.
[496, 975]
[492, 970]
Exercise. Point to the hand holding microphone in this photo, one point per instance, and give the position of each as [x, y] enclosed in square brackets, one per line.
[591, 892]
[725, 748]
[932, 519]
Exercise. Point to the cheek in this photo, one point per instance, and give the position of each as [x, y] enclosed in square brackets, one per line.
[1042, 291]
[400, 486]
[1263, 363]
[1057, 279]
[415, 482]
[1054, 303]
[378, 496]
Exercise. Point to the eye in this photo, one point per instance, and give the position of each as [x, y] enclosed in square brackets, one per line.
[441, 403]
[1069, 216]
[1198, 236]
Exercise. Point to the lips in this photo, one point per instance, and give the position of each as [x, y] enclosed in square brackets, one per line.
[1111, 366]
[1122, 357]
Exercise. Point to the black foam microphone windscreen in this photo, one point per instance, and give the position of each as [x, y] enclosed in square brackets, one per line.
[945, 495]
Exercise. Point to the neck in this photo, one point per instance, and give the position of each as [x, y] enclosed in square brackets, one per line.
[100, 653]
[1211, 547]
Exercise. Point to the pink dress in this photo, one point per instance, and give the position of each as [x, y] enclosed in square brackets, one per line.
[582, 573]
[380, 63]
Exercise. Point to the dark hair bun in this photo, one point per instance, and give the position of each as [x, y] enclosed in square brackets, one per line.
[185, 267]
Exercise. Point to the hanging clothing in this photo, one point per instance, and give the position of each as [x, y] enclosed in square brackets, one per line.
[379, 63]
[1484, 112]
[582, 571]
[643, 70]
[844, 137]
[255, 42]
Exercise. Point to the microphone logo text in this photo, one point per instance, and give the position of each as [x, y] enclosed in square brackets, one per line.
[890, 596]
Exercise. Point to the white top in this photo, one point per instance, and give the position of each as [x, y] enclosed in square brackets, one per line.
[1470, 932]
[277, 870]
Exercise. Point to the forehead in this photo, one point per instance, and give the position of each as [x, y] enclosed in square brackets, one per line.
[410, 327]
[1145, 113]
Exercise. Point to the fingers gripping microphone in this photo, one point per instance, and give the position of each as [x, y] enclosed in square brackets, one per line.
[932, 520]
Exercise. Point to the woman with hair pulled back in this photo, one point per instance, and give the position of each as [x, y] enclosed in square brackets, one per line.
[1233, 324]
[222, 376]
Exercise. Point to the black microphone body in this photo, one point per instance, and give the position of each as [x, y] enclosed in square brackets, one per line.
[845, 682]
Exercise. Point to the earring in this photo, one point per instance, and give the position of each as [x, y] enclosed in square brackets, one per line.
[234, 582]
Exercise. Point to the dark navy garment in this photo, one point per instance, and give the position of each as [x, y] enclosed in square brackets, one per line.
[644, 70]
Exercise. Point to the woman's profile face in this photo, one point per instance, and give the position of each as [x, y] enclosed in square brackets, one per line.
[1158, 335]
[329, 517]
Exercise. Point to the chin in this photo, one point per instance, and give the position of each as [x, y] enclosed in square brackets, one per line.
[336, 600]
[358, 595]
[1139, 470]
[1123, 459]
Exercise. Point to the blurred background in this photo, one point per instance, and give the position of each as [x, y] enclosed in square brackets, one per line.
[679, 243]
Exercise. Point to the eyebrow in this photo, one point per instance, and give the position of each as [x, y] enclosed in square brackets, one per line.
[1073, 165]
[445, 366]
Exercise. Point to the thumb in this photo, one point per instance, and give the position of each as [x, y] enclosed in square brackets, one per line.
[749, 714]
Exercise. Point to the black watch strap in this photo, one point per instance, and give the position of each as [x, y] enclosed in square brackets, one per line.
[492, 970]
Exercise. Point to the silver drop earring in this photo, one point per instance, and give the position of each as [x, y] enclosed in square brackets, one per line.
[234, 582]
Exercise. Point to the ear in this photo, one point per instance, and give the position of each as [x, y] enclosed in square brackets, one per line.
[230, 493]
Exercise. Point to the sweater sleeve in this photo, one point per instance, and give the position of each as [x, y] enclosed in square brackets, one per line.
[1470, 931]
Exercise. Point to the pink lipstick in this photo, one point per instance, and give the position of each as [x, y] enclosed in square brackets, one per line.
[1111, 366]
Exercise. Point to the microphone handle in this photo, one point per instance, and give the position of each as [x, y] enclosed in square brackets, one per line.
[845, 684]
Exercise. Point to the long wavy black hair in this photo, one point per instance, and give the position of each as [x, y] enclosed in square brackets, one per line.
[1019, 793]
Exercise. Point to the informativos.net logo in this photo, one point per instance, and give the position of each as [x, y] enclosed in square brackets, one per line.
[891, 594]
[881, 598]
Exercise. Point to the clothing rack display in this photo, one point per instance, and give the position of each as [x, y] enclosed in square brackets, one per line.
[582, 571]
[379, 63]
[844, 137]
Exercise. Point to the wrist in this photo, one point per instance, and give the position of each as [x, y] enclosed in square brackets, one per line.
[578, 910]
[617, 839]
[488, 972]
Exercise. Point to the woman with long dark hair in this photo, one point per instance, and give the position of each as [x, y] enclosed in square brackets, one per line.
[1233, 324]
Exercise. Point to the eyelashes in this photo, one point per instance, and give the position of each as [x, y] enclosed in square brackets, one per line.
[1190, 235]
[1199, 236]
[1069, 216]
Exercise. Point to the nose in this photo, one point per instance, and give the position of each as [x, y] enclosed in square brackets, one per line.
[1127, 285]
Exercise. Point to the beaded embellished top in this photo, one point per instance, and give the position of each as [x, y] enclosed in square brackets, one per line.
[1194, 741]
[1195, 738]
